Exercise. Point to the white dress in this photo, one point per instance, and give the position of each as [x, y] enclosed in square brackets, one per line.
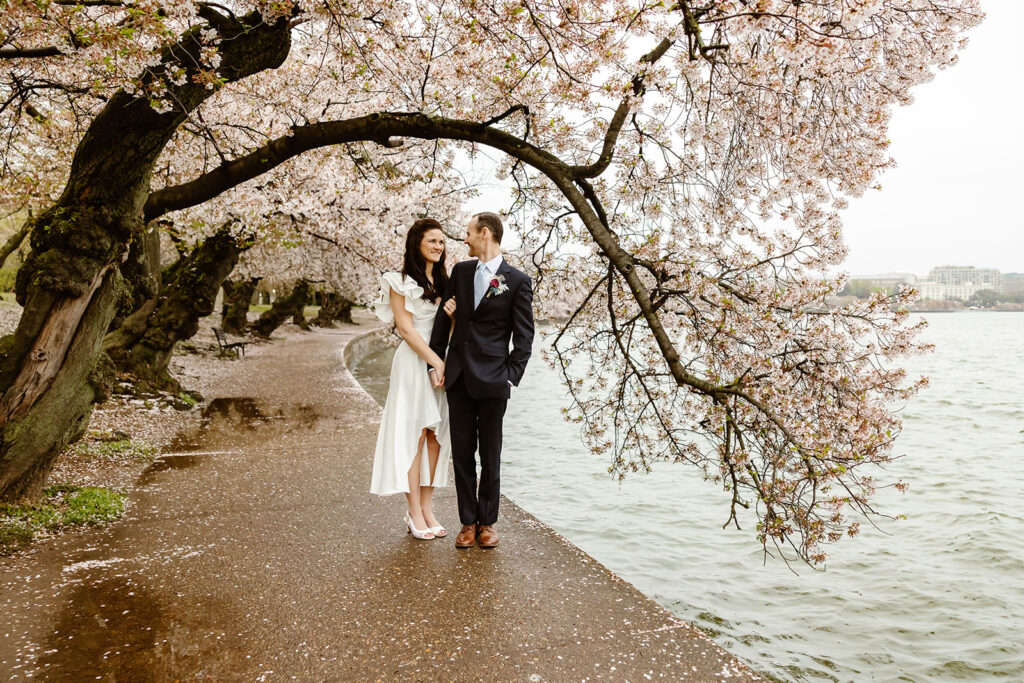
[412, 404]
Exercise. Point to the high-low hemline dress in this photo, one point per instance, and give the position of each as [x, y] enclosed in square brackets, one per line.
[413, 404]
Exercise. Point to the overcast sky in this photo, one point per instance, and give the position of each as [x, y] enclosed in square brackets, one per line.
[954, 197]
[955, 194]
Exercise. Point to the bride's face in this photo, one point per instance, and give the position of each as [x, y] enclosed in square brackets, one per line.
[432, 245]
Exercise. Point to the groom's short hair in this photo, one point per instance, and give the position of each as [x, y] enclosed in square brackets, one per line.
[492, 222]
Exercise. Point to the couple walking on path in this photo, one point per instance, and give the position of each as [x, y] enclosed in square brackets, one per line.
[451, 377]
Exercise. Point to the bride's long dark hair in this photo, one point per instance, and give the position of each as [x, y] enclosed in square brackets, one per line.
[415, 266]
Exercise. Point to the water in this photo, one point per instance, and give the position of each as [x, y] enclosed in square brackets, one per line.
[937, 596]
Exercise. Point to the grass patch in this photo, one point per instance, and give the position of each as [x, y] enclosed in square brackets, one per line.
[308, 311]
[93, 505]
[118, 449]
[14, 535]
[62, 506]
[187, 399]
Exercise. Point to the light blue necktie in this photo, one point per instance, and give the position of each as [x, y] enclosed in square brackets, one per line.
[479, 284]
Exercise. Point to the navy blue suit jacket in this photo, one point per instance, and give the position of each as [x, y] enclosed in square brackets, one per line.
[478, 347]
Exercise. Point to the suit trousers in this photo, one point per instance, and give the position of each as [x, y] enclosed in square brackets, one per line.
[476, 422]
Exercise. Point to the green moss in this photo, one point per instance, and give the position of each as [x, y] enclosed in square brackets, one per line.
[116, 449]
[62, 506]
[65, 272]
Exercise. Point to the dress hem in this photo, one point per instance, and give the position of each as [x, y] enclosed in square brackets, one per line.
[434, 427]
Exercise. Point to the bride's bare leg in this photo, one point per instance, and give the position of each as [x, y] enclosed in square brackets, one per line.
[414, 495]
[427, 492]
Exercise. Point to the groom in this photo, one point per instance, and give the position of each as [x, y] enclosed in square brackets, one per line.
[494, 302]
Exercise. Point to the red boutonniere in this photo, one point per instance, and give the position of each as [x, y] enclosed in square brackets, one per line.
[497, 286]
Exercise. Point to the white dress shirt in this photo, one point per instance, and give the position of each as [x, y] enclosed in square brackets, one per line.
[480, 284]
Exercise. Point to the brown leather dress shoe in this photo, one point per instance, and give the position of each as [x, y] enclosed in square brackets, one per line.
[486, 536]
[466, 537]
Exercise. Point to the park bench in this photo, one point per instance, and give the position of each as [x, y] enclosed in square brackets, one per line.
[225, 343]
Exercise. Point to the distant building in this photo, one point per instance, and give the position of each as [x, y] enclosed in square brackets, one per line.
[982, 278]
[942, 283]
[889, 281]
[862, 285]
[937, 291]
[958, 282]
[1013, 284]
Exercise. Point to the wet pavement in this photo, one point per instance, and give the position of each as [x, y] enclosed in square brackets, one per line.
[253, 551]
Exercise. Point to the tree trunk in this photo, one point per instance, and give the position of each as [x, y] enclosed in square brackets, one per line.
[282, 309]
[15, 240]
[299, 316]
[344, 313]
[52, 367]
[188, 295]
[333, 306]
[32, 438]
[237, 299]
[142, 277]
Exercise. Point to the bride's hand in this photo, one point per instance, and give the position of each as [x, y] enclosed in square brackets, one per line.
[449, 307]
[437, 375]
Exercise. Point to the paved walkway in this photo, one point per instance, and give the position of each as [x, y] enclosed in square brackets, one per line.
[253, 551]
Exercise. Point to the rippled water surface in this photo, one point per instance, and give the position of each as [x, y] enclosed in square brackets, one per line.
[938, 595]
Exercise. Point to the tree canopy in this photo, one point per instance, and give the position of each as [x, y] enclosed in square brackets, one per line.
[679, 169]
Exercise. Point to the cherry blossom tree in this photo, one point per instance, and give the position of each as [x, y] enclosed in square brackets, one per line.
[692, 156]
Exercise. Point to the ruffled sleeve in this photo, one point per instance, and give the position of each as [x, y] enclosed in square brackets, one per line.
[405, 286]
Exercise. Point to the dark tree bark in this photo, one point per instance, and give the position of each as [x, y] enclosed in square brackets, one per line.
[52, 368]
[299, 316]
[237, 299]
[141, 273]
[285, 307]
[187, 296]
[344, 313]
[333, 307]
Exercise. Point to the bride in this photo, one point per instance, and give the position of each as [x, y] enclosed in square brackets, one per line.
[413, 445]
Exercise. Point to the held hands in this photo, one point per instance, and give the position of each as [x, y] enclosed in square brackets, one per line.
[437, 376]
[437, 373]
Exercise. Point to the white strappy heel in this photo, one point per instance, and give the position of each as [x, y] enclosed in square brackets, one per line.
[425, 535]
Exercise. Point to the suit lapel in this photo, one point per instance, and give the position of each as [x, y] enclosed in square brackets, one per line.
[464, 288]
[504, 269]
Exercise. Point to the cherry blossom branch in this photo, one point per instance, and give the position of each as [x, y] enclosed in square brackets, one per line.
[383, 128]
[380, 128]
[611, 135]
[508, 112]
[30, 52]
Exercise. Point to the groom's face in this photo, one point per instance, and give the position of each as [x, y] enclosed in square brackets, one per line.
[476, 239]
